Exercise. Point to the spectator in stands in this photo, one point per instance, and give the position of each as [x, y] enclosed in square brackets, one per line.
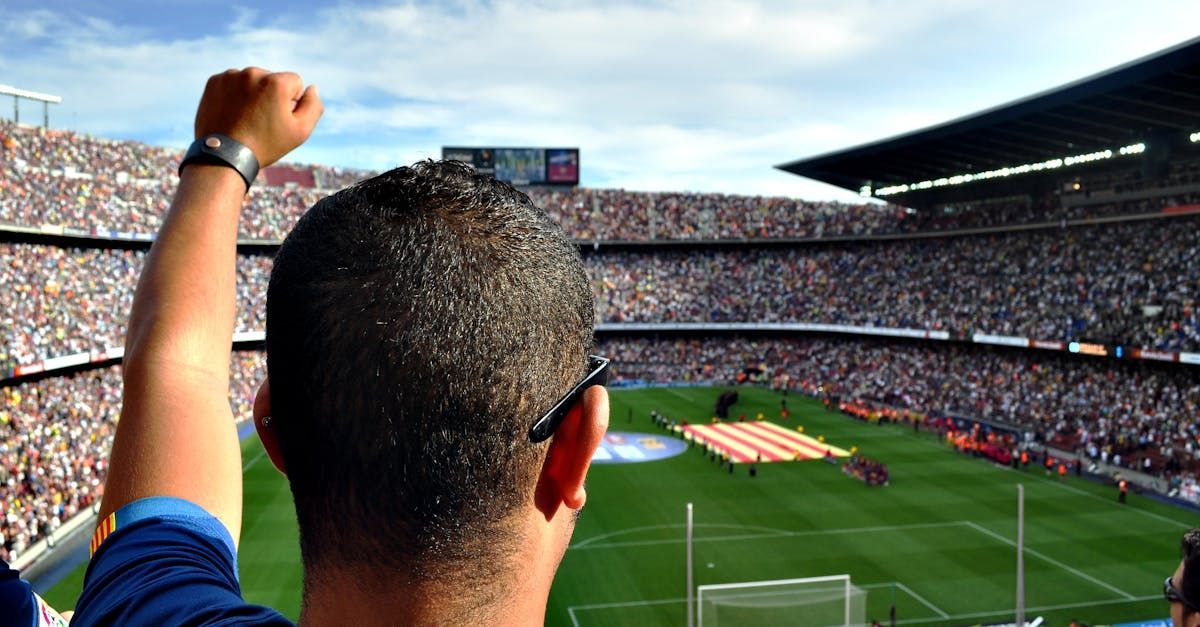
[1101, 284]
[55, 435]
[60, 301]
[68, 179]
[418, 325]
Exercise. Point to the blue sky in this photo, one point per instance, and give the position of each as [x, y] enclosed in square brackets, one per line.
[703, 95]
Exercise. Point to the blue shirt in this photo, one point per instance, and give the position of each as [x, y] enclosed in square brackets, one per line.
[165, 561]
[19, 606]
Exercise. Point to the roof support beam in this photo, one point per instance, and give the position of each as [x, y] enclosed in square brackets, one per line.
[1183, 95]
[1187, 75]
[972, 161]
[1153, 122]
[1025, 141]
[1074, 119]
[1193, 114]
[894, 170]
[1021, 147]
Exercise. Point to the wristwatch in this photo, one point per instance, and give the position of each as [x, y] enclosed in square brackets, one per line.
[218, 149]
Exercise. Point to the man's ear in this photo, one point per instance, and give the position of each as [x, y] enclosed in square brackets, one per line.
[570, 454]
[265, 427]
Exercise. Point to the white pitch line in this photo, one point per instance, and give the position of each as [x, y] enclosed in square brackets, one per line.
[1051, 560]
[1064, 486]
[1090, 495]
[605, 536]
[1044, 608]
[776, 534]
[605, 606]
[631, 543]
[922, 600]
[250, 463]
[911, 621]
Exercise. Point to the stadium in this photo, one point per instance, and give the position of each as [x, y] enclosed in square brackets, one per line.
[822, 413]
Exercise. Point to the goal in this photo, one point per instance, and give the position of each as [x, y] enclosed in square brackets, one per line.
[811, 601]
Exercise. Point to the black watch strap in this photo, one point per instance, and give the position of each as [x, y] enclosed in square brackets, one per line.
[217, 149]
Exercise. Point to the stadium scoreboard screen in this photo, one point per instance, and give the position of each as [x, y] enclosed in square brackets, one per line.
[522, 166]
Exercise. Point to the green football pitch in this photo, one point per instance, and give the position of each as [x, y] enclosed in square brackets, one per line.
[938, 543]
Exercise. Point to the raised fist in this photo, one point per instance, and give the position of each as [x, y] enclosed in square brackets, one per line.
[271, 113]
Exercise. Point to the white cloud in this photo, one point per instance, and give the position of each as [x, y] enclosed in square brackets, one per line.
[671, 95]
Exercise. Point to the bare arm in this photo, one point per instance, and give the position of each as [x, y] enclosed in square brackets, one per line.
[176, 435]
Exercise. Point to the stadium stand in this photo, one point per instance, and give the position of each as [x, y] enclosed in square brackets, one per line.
[1095, 283]
[55, 434]
[59, 301]
[1122, 283]
[112, 188]
[675, 257]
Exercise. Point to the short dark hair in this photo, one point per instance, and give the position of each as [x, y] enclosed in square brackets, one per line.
[418, 323]
[1189, 581]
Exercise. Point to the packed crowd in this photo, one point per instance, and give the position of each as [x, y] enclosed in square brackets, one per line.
[73, 180]
[69, 179]
[60, 301]
[1129, 411]
[55, 435]
[1130, 283]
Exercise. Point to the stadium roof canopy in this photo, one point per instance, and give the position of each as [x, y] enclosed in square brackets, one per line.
[1155, 99]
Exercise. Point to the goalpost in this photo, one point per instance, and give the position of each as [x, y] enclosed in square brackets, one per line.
[814, 601]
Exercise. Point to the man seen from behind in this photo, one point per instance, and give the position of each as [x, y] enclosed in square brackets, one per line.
[430, 394]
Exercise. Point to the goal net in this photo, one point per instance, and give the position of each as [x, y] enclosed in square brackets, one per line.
[812, 601]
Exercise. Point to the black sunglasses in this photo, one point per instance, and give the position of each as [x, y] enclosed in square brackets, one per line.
[1173, 594]
[548, 423]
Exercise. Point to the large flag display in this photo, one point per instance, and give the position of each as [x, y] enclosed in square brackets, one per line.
[747, 442]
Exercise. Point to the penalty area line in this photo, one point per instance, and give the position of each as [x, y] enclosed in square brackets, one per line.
[620, 604]
[1043, 608]
[780, 533]
[911, 621]
[920, 599]
[1050, 560]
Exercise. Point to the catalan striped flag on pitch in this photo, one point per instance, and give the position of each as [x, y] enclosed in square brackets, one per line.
[103, 530]
[750, 441]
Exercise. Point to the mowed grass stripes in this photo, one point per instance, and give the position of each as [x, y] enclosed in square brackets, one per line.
[938, 541]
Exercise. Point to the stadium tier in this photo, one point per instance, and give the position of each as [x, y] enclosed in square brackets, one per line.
[55, 435]
[1123, 283]
[53, 179]
[60, 301]
[1126, 283]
